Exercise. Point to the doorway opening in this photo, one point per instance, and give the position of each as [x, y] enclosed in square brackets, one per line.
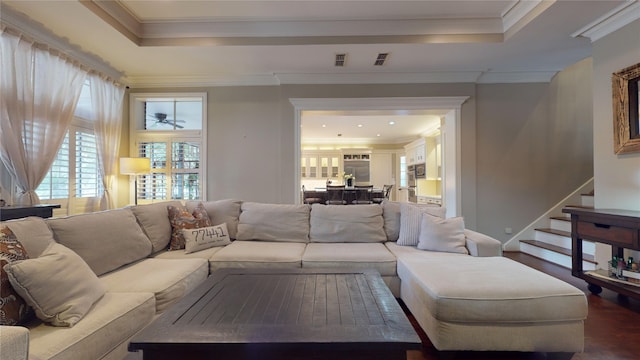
[450, 132]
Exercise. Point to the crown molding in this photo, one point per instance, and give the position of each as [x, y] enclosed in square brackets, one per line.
[379, 78]
[285, 32]
[516, 77]
[389, 103]
[338, 79]
[611, 21]
[39, 33]
[162, 81]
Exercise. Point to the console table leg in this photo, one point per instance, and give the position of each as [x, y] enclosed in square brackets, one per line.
[595, 289]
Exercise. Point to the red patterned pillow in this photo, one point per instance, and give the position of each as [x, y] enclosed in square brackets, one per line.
[181, 218]
[13, 309]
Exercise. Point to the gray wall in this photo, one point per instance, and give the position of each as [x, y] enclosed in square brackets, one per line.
[617, 177]
[519, 142]
[534, 147]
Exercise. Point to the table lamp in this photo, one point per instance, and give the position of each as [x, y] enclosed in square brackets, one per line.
[134, 167]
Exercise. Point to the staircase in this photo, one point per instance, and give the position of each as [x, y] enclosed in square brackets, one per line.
[553, 241]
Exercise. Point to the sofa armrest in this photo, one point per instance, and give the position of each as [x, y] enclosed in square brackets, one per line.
[14, 343]
[482, 245]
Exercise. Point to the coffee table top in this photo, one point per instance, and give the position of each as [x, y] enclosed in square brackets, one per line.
[295, 307]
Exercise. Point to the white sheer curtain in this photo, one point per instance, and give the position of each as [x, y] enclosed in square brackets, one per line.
[106, 103]
[39, 91]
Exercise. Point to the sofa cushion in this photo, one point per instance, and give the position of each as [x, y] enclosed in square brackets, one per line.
[274, 222]
[256, 254]
[154, 221]
[58, 284]
[391, 216]
[106, 240]
[204, 238]
[491, 290]
[33, 233]
[13, 309]
[355, 256]
[338, 223]
[221, 211]
[446, 235]
[412, 253]
[205, 254]
[169, 280]
[411, 220]
[181, 218]
[112, 320]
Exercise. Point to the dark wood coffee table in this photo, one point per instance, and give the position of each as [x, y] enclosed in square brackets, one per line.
[282, 314]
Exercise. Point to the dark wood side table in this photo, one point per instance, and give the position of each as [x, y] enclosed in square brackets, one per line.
[17, 212]
[618, 228]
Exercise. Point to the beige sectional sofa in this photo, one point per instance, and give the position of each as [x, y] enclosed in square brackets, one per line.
[126, 250]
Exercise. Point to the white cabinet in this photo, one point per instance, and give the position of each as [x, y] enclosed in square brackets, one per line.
[415, 152]
[319, 165]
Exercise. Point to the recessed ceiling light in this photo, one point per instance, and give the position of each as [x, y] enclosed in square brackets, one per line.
[359, 125]
[324, 125]
[378, 135]
[392, 122]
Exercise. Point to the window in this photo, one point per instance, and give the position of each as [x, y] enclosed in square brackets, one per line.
[170, 130]
[403, 171]
[56, 183]
[75, 172]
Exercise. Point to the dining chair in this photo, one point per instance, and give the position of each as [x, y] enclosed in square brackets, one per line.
[363, 194]
[386, 192]
[335, 195]
[310, 197]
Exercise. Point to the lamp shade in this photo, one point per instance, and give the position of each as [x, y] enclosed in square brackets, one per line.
[135, 166]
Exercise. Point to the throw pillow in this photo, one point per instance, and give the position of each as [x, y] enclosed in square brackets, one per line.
[58, 284]
[206, 237]
[445, 235]
[410, 220]
[13, 309]
[181, 218]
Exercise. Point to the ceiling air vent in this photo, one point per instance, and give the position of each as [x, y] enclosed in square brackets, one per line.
[382, 57]
[340, 58]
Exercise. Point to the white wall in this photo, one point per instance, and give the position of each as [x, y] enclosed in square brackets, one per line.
[616, 177]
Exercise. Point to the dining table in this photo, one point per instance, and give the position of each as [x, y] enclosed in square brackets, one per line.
[350, 194]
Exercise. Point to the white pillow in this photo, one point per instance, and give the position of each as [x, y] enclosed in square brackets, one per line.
[445, 235]
[410, 220]
[206, 237]
[58, 284]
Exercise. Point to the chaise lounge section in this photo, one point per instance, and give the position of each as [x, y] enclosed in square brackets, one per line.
[463, 294]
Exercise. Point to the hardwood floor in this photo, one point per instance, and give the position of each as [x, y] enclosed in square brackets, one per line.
[612, 328]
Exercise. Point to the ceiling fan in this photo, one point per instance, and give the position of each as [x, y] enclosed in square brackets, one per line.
[161, 119]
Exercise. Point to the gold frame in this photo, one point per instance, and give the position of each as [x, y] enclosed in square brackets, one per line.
[623, 142]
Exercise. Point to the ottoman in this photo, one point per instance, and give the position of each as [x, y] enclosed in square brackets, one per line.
[492, 304]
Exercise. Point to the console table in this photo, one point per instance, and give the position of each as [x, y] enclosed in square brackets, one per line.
[17, 212]
[618, 228]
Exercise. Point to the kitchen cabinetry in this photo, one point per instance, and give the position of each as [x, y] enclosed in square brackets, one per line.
[618, 228]
[320, 165]
[433, 157]
[415, 152]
